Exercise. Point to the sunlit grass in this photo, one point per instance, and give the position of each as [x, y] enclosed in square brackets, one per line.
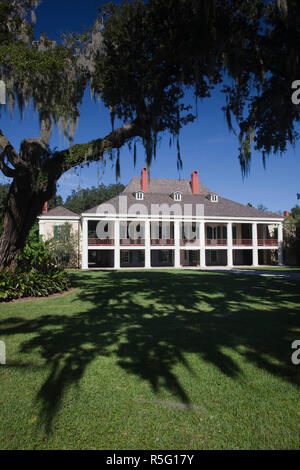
[153, 360]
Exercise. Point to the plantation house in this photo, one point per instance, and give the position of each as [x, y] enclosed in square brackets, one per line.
[173, 223]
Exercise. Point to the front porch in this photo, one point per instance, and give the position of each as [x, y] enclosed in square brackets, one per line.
[147, 243]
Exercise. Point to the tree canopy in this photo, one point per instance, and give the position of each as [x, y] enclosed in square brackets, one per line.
[83, 199]
[140, 58]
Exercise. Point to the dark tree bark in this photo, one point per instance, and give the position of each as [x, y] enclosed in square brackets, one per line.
[23, 206]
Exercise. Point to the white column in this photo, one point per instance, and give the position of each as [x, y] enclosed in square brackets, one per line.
[117, 245]
[84, 253]
[229, 245]
[147, 245]
[202, 244]
[177, 244]
[280, 245]
[255, 244]
[42, 228]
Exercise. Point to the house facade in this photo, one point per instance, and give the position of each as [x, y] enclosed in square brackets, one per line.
[159, 222]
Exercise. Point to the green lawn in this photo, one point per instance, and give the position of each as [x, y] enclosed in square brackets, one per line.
[288, 269]
[153, 360]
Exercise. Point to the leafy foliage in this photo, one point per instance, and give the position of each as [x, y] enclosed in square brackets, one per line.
[36, 276]
[36, 254]
[65, 249]
[155, 50]
[83, 199]
[292, 236]
[141, 57]
[39, 70]
[18, 283]
[262, 208]
[55, 201]
[140, 75]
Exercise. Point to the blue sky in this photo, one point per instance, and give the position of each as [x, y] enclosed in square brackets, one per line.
[206, 145]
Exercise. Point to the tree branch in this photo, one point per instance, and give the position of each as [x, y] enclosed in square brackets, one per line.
[93, 151]
[12, 156]
[6, 170]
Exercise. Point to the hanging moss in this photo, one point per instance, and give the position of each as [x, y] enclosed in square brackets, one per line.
[78, 152]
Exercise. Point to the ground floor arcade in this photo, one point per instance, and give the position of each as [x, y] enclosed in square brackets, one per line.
[136, 258]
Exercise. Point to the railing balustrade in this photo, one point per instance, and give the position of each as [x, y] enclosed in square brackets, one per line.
[101, 241]
[162, 241]
[242, 241]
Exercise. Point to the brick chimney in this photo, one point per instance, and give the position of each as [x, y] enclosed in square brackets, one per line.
[45, 208]
[195, 182]
[144, 180]
[286, 213]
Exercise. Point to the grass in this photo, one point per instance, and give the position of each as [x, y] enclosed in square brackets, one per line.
[289, 269]
[153, 360]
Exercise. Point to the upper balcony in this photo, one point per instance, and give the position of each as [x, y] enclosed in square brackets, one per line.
[242, 241]
[267, 242]
[162, 241]
[216, 242]
[132, 241]
[101, 242]
[190, 242]
[162, 234]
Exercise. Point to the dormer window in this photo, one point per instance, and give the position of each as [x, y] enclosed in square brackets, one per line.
[177, 196]
[139, 195]
[214, 197]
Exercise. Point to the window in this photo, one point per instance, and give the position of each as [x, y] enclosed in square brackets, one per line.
[193, 257]
[214, 197]
[214, 233]
[56, 230]
[61, 232]
[124, 256]
[165, 256]
[139, 195]
[177, 197]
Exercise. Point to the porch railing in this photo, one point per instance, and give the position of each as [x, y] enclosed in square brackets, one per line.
[242, 241]
[191, 241]
[216, 242]
[267, 242]
[162, 241]
[100, 241]
[132, 241]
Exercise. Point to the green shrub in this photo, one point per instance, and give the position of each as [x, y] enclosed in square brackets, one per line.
[18, 283]
[36, 254]
[37, 274]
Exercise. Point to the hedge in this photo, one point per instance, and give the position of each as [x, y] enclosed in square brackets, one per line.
[17, 284]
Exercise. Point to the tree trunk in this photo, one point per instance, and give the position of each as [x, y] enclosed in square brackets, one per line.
[24, 204]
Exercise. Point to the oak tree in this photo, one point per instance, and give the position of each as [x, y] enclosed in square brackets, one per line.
[141, 57]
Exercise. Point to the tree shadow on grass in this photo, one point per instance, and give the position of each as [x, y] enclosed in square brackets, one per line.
[149, 321]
